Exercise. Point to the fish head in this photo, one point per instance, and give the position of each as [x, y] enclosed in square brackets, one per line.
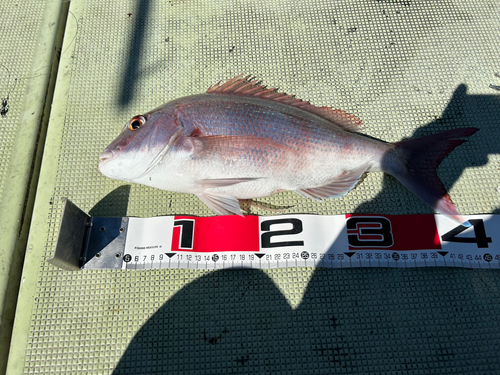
[142, 144]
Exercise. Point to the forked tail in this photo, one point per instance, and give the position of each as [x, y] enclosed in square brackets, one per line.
[414, 163]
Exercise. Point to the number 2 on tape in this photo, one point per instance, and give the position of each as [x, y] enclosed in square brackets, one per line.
[265, 237]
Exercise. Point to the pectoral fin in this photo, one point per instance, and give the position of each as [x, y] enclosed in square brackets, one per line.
[221, 204]
[336, 189]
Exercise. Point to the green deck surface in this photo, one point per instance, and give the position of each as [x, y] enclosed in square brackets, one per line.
[406, 68]
[29, 30]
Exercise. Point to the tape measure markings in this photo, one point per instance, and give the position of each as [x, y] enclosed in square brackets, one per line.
[340, 241]
[310, 240]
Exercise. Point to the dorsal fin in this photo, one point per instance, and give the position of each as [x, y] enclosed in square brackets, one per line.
[247, 86]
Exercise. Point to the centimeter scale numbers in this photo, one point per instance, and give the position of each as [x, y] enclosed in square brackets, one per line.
[338, 241]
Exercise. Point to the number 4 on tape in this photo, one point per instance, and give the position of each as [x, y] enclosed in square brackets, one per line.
[480, 238]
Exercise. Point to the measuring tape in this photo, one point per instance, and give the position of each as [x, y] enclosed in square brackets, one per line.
[219, 242]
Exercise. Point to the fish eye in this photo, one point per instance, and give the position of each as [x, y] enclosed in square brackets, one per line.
[136, 122]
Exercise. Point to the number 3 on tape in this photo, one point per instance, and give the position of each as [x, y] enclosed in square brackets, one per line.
[372, 232]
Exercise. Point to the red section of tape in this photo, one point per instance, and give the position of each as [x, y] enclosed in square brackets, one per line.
[392, 232]
[216, 234]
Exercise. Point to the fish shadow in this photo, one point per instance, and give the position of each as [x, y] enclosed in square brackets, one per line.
[463, 110]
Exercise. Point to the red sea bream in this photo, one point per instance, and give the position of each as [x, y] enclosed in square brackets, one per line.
[241, 140]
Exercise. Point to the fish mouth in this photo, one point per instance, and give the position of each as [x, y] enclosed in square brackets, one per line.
[105, 157]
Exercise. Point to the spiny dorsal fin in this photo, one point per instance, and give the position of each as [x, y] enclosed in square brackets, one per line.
[247, 86]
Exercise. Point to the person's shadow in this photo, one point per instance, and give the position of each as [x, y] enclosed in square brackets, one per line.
[349, 321]
[401, 321]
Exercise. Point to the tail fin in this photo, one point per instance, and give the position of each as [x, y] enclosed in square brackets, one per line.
[414, 163]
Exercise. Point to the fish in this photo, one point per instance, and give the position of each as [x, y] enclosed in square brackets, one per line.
[241, 140]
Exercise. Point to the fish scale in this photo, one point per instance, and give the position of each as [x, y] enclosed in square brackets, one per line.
[282, 125]
[241, 140]
[320, 143]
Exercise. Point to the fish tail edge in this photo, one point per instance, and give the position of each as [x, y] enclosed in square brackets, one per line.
[414, 163]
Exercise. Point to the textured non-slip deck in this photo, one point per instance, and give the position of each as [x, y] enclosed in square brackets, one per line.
[406, 68]
[28, 32]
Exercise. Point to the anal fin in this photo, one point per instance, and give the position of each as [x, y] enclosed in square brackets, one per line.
[337, 188]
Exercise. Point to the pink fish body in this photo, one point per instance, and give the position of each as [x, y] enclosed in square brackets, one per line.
[241, 140]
